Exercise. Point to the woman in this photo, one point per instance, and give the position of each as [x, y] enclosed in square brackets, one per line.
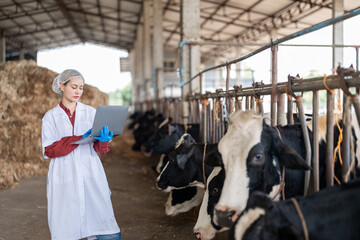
[78, 194]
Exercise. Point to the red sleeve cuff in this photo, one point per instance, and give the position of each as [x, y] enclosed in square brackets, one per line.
[101, 147]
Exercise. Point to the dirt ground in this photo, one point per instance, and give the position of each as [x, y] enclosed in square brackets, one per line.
[138, 205]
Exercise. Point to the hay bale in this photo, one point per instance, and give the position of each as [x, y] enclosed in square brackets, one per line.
[25, 96]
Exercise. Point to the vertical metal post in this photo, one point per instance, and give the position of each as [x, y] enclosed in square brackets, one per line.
[247, 103]
[274, 50]
[315, 142]
[306, 142]
[281, 109]
[290, 117]
[191, 114]
[356, 104]
[329, 139]
[345, 148]
[214, 133]
[260, 107]
[252, 105]
[238, 105]
[201, 83]
[357, 58]
[211, 124]
[221, 116]
[208, 122]
[197, 111]
[227, 97]
[203, 123]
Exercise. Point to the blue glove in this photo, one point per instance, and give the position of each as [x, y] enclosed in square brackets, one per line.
[105, 135]
[87, 133]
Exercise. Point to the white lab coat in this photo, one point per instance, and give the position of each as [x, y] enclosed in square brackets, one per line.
[78, 194]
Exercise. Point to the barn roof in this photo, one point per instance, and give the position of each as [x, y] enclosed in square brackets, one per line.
[45, 24]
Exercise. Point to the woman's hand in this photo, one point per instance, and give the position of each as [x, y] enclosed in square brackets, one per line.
[105, 135]
[87, 133]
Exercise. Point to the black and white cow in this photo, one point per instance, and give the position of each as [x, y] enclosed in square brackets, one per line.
[205, 228]
[331, 214]
[185, 164]
[254, 154]
[165, 139]
[145, 127]
[183, 200]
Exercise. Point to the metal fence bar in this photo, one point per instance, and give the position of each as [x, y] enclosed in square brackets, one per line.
[306, 143]
[312, 84]
[345, 147]
[281, 109]
[329, 139]
[290, 117]
[315, 142]
[274, 50]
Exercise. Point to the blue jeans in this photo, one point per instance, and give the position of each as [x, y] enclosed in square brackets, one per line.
[116, 236]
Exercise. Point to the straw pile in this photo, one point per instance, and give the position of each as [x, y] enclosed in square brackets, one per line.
[25, 96]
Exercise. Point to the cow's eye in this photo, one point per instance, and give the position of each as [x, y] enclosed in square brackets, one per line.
[258, 160]
[214, 191]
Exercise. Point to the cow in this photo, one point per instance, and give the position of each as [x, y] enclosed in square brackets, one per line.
[332, 214]
[185, 164]
[182, 200]
[145, 127]
[205, 228]
[254, 154]
[165, 139]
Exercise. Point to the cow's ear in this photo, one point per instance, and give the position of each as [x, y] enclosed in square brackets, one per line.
[182, 159]
[287, 155]
[172, 128]
[189, 139]
[213, 159]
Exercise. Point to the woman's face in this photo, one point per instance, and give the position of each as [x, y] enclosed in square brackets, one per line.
[73, 89]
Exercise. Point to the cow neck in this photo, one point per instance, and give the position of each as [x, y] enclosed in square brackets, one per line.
[203, 167]
[301, 216]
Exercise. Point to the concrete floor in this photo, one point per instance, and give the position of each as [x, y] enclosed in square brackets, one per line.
[138, 205]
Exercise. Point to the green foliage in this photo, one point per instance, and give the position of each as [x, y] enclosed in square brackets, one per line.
[121, 96]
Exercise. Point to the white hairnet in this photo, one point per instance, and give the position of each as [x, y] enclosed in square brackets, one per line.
[63, 78]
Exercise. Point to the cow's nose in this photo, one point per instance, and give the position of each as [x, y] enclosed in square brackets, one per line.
[161, 184]
[225, 217]
[197, 234]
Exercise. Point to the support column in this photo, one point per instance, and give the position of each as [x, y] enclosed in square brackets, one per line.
[158, 50]
[274, 67]
[147, 50]
[190, 32]
[238, 68]
[2, 49]
[139, 64]
[134, 95]
[338, 33]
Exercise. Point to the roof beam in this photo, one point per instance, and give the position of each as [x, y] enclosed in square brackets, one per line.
[214, 12]
[70, 19]
[288, 15]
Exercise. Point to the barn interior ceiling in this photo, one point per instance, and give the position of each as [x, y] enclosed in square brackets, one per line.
[45, 24]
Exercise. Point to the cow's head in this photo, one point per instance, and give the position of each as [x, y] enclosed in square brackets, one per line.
[262, 219]
[165, 138]
[205, 228]
[253, 155]
[181, 170]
